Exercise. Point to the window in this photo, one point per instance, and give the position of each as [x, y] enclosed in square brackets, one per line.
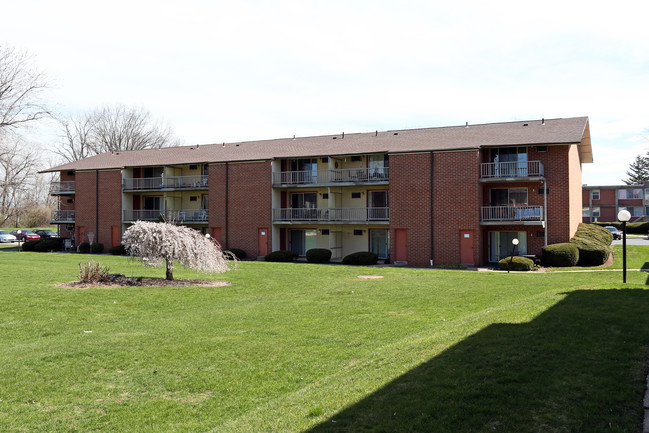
[193, 198]
[629, 194]
[594, 194]
[596, 213]
[325, 232]
[193, 167]
[152, 172]
[358, 232]
[585, 212]
[325, 196]
[508, 196]
[541, 148]
[305, 170]
[378, 167]
[356, 195]
[635, 211]
[356, 158]
[378, 205]
[509, 161]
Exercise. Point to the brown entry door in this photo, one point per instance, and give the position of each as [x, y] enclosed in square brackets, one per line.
[401, 245]
[466, 247]
[263, 242]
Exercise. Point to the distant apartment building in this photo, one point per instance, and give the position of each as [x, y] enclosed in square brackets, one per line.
[426, 196]
[603, 202]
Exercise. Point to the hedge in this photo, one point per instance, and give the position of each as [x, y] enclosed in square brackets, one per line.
[29, 245]
[280, 256]
[518, 263]
[637, 228]
[48, 244]
[560, 255]
[594, 243]
[318, 255]
[361, 258]
[97, 248]
[119, 250]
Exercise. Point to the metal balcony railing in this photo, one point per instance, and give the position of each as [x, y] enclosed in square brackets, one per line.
[312, 177]
[62, 216]
[362, 214]
[171, 182]
[511, 213]
[63, 187]
[521, 169]
[179, 216]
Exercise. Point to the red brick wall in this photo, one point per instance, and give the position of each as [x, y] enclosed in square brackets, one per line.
[456, 197]
[249, 203]
[410, 204]
[109, 204]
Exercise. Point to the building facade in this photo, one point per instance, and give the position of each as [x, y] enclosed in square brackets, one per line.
[420, 196]
[603, 202]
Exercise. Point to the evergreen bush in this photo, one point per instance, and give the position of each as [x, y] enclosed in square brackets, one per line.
[318, 255]
[97, 248]
[48, 244]
[560, 255]
[29, 245]
[518, 263]
[119, 250]
[361, 258]
[280, 256]
[84, 247]
[238, 253]
[594, 243]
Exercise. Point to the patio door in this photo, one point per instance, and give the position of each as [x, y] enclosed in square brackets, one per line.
[500, 244]
[302, 240]
[377, 205]
[380, 243]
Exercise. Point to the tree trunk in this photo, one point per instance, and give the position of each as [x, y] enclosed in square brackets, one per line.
[170, 270]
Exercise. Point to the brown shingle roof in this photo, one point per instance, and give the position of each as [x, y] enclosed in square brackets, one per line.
[552, 131]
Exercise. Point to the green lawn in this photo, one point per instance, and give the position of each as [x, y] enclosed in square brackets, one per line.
[299, 347]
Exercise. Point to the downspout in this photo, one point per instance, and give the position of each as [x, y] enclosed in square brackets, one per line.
[97, 205]
[227, 231]
[545, 209]
[432, 243]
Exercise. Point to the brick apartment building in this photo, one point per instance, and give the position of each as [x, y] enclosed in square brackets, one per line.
[444, 195]
[602, 203]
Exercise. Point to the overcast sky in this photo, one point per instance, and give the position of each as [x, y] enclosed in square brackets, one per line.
[244, 70]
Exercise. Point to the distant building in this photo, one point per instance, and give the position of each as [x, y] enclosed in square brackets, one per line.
[435, 195]
[603, 202]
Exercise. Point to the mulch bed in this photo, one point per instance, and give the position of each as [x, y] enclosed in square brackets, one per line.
[117, 280]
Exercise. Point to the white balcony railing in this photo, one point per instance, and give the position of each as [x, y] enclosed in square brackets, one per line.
[312, 177]
[362, 214]
[520, 169]
[63, 187]
[171, 182]
[180, 216]
[511, 213]
[62, 216]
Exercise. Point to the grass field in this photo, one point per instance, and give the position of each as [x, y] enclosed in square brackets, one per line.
[314, 348]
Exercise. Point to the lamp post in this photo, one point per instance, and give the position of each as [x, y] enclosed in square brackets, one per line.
[624, 216]
[515, 244]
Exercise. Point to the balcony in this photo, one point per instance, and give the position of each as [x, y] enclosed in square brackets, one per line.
[179, 216]
[498, 171]
[523, 215]
[329, 177]
[331, 215]
[63, 187]
[165, 182]
[62, 217]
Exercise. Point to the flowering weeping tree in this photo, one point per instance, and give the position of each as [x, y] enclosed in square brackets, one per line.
[158, 243]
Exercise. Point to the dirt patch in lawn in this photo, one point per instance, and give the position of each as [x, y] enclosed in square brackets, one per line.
[117, 280]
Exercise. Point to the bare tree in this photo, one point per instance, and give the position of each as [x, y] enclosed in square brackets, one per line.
[18, 165]
[155, 243]
[21, 87]
[122, 128]
[112, 129]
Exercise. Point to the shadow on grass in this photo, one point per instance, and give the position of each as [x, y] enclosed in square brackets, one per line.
[577, 367]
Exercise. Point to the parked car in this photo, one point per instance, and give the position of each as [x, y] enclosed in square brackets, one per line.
[6, 237]
[615, 232]
[25, 235]
[44, 234]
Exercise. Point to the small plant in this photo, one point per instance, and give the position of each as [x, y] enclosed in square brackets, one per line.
[361, 258]
[318, 255]
[238, 253]
[97, 248]
[119, 250]
[93, 272]
[84, 247]
[280, 256]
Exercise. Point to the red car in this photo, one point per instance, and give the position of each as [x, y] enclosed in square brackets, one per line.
[26, 235]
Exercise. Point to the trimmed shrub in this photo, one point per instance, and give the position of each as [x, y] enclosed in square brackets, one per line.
[118, 250]
[84, 247]
[361, 258]
[318, 255]
[560, 255]
[238, 253]
[518, 263]
[594, 244]
[49, 244]
[97, 248]
[29, 245]
[280, 256]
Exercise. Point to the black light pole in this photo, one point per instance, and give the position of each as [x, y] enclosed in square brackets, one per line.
[624, 216]
[515, 243]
